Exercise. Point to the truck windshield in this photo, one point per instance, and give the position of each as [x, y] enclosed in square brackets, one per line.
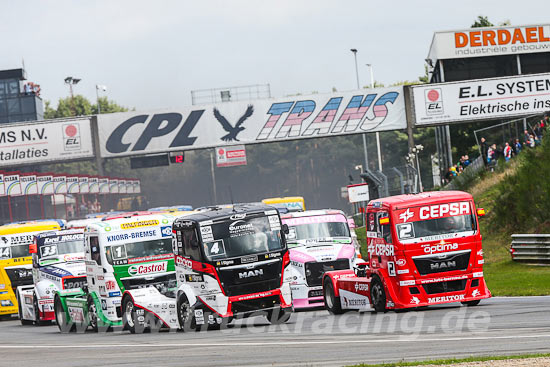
[436, 229]
[139, 251]
[242, 237]
[15, 245]
[60, 245]
[317, 227]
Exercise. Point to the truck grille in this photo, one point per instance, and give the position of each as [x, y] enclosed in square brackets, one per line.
[445, 287]
[73, 283]
[315, 270]
[165, 284]
[19, 276]
[253, 305]
[250, 288]
[440, 263]
[258, 277]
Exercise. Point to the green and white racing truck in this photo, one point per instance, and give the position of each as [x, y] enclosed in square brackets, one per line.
[128, 252]
[231, 262]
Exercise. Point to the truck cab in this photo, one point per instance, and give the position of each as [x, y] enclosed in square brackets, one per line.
[57, 263]
[424, 249]
[122, 253]
[15, 259]
[230, 262]
[318, 241]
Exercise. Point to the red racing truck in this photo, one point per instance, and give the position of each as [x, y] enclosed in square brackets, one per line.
[424, 249]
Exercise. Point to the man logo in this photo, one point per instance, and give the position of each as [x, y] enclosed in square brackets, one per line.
[251, 273]
[443, 265]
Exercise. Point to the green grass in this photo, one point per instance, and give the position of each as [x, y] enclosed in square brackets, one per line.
[454, 360]
[509, 278]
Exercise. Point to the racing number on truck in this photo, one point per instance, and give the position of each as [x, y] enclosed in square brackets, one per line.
[391, 268]
[4, 252]
[48, 250]
[405, 230]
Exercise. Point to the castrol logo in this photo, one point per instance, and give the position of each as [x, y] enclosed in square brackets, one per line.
[152, 268]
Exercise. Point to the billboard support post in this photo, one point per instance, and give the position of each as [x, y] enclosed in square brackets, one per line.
[96, 145]
[9, 207]
[213, 177]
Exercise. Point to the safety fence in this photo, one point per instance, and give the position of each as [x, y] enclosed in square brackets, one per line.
[531, 248]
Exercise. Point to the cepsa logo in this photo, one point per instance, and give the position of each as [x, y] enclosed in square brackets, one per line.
[444, 210]
[136, 270]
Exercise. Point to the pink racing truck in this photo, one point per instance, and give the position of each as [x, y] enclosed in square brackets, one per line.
[318, 241]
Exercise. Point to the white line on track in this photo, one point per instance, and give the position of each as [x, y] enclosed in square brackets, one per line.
[294, 343]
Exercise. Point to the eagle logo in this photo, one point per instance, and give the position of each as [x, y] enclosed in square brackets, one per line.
[233, 131]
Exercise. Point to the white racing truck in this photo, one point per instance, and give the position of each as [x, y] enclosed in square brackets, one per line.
[57, 264]
[122, 252]
[230, 262]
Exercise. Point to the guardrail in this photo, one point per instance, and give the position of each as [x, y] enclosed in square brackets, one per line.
[531, 248]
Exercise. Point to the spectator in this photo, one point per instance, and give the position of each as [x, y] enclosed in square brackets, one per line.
[518, 146]
[449, 175]
[28, 89]
[484, 148]
[526, 138]
[507, 152]
[531, 141]
[466, 160]
[538, 132]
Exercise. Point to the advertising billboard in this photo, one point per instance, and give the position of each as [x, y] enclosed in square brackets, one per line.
[481, 99]
[45, 141]
[490, 41]
[256, 121]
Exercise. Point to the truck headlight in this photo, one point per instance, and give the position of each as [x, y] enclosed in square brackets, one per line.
[6, 303]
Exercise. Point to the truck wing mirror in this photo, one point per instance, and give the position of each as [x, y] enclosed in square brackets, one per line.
[285, 229]
[361, 270]
[480, 212]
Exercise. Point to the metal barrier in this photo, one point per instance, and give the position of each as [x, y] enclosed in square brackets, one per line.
[531, 248]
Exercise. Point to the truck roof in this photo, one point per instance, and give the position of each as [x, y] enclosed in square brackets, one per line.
[130, 222]
[425, 198]
[311, 213]
[30, 226]
[60, 232]
[216, 212]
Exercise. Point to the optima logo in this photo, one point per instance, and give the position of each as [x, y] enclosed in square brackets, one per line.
[440, 247]
[159, 267]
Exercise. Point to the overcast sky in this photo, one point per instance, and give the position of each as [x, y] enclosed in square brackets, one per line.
[151, 54]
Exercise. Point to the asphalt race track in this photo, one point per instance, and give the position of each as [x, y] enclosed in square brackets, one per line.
[497, 326]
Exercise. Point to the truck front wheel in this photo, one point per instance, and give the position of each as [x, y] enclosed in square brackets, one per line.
[472, 303]
[377, 295]
[278, 316]
[37, 319]
[332, 303]
[23, 321]
[186, 317]
[61, 316]
[92, 313]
